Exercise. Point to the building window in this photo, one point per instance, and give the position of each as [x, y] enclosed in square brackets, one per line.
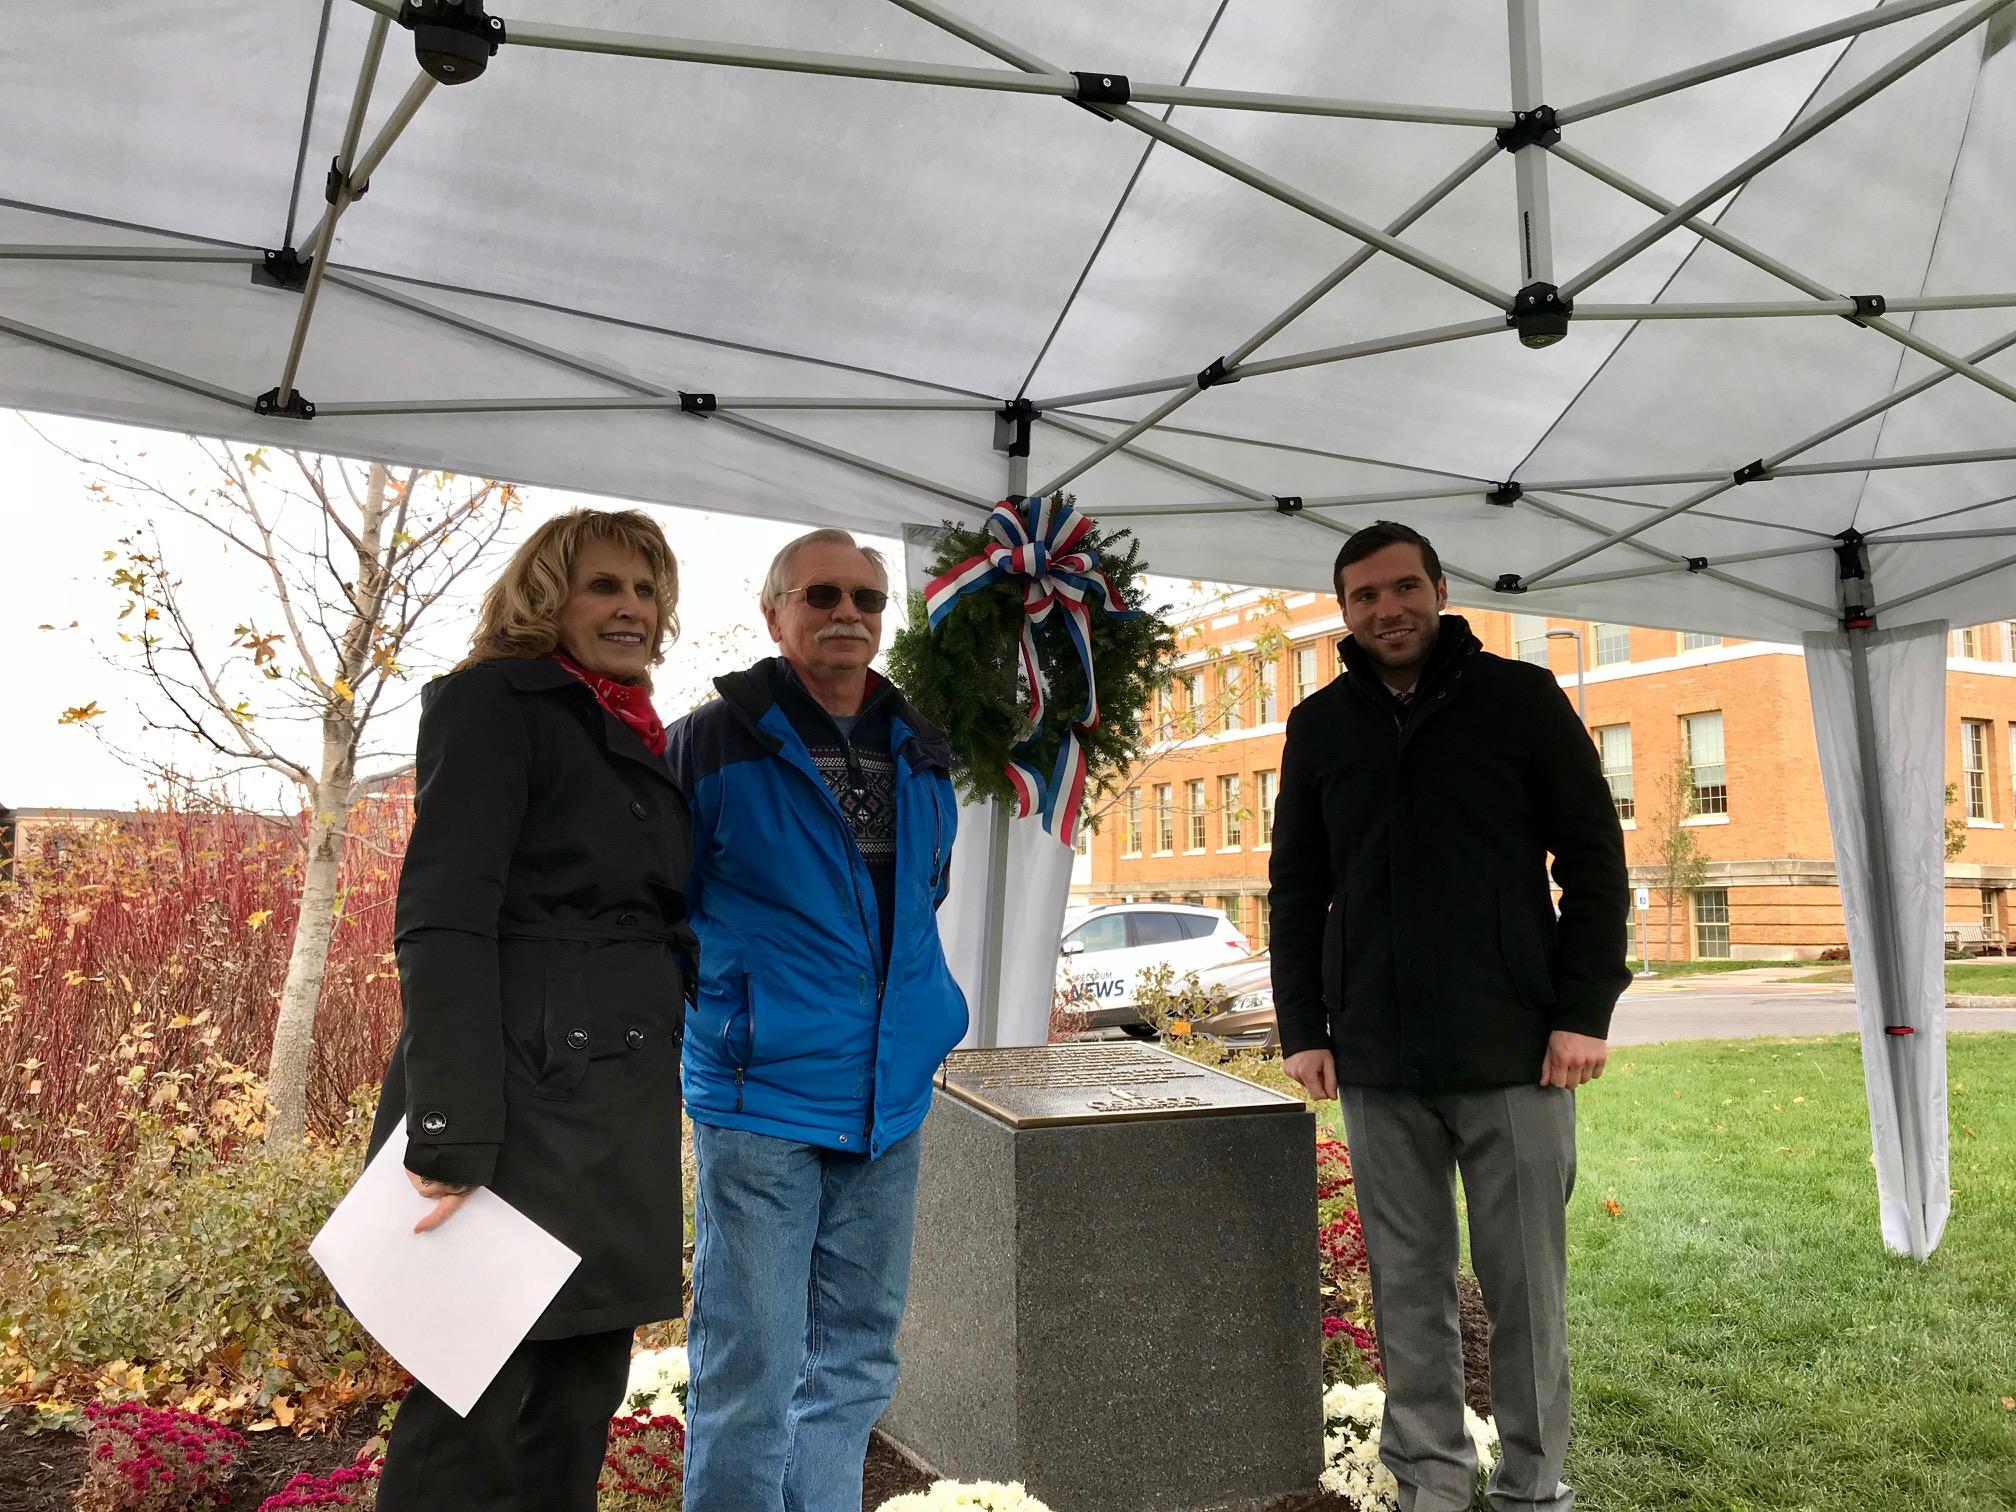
[1615, 743]
[1990, 924]
[1263, 921]
[1974, 762]
[1130, 834]
[1193, 797]
[1264, 784]
[1305, 672]
[1529, 638]
[1613, 645]
[1228, 905]
[1966, 643]
[1233, 695]
[1081, 843]
[1711, 923]
[1232, 825]
[1267, 697]
[1703, 738]
[1165, 820]
[1193, 700]
[1698, 640]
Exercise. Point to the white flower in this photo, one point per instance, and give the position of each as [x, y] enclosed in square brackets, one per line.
[657, 1383]
[988, 1496]
[1351, 1465]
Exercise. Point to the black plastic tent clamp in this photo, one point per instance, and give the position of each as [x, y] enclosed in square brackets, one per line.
[294, 408]
[1288, 504]
[1697, 564]
[1508, 583]
[1851, 566]
[1012, 424]
[696, 404]
[1506, 494]
[1867, 308]
[1216, 374]
[1749, 472]
[1530, 128]
[338, 182]
[285, 269]
[1540, 313]
[454, 39]
[1096, 89]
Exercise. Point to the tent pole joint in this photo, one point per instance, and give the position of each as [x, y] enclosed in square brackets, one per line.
[1097, 89]
[1750, 472]
[284, 269]
[1697, 564]
[1852, 580]
[339, 186]
[1506, 494]
[293, 407]
[1288, 504]
[1216, 374]
[1508, 582]
[697, 404]
[1540, 313]
[1013, 423]
[1537, 127]
[453, 40]
[1867, 308]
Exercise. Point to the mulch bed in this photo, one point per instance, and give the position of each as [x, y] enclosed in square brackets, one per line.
[40, 1472]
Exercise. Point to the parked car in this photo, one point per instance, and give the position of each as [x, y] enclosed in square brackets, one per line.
[1105, 949]
[1247, 1022]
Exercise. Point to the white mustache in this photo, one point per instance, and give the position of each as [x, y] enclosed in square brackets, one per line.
[842, 632]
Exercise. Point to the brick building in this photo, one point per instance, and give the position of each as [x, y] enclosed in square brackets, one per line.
[1195, 823]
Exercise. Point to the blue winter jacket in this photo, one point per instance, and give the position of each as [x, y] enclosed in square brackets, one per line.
[796, 1034]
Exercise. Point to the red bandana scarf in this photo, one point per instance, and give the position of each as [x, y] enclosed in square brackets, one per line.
[627, 701]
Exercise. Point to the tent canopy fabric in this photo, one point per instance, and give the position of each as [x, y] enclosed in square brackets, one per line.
[1245, 274]
[583, 227]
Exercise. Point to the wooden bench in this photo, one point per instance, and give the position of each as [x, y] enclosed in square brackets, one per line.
[1975, 939]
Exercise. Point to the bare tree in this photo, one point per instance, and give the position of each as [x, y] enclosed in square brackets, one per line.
[345, 562]
[1678, 867]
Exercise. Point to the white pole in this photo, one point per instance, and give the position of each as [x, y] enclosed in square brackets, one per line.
[1529, 164]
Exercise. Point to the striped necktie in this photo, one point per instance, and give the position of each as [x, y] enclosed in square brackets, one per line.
[1405, 698]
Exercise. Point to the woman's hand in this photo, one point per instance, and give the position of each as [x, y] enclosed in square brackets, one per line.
[445, 1196]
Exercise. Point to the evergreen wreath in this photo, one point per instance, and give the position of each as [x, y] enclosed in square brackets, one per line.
[965, 677]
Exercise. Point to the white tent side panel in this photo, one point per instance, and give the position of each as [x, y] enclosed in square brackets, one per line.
[1904, 1073]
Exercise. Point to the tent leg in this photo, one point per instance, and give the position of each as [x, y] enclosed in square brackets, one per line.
[1899, 1048]
[996, 915]
[1536, 227]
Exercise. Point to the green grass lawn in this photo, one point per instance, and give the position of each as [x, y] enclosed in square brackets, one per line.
[1741, 1339]
[1708, 968]
[1997, 980]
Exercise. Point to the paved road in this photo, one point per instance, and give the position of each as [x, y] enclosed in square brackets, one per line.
[1650, 1014]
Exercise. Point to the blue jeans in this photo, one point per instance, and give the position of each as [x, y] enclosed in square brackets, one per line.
[801, 1263]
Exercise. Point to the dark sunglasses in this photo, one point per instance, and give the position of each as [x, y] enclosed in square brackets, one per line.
[827, 596]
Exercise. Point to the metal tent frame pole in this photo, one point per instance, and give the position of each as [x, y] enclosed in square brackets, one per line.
[1797, 136]
[1529, 165]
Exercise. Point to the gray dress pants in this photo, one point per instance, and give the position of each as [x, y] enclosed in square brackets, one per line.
[1515, 1146]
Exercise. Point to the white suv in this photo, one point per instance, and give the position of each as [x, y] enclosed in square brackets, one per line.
[1105, 949]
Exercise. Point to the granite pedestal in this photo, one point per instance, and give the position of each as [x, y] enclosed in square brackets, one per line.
[1113, 1294]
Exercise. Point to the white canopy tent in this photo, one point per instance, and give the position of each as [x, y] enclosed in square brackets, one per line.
[875, 263]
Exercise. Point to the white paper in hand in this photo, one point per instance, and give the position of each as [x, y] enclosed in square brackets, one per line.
[449, 1305]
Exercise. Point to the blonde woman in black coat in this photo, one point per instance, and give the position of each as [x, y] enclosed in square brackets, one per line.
[544, 961]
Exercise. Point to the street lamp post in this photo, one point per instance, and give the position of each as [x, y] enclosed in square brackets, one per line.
[1581, 699]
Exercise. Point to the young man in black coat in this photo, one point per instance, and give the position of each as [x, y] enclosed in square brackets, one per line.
[1423, 976]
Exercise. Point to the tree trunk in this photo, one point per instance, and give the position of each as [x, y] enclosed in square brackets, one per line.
[294, 1029]
[1669, 926]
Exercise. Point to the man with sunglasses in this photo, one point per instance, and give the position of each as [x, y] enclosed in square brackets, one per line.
[823, 818]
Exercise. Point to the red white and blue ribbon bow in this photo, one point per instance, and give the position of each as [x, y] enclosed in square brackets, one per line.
[1041, 542]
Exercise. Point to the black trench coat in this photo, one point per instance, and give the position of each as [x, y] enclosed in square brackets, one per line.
[544, 962]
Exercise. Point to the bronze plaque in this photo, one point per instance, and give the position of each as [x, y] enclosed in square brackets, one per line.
[1036, 1085]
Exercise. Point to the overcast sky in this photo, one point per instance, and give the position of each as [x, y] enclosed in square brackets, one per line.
[56, 534]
